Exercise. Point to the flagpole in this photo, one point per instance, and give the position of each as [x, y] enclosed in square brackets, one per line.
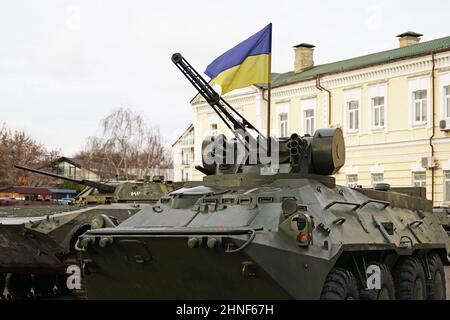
[269, 89]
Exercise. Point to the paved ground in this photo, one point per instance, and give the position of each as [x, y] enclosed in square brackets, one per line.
[34, 210]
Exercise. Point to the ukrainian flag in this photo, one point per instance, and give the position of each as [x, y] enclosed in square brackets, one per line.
[245, 64]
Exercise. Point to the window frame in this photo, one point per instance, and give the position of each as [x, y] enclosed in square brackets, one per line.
[419, 83]
[213, 132]
[308, 105]
[311, 120]
[283, 125]
[422, 107]
[350, 95]
[445, 185]
[376, 174]
[374, 91]
[381, 112]
[353, 184]
[414, 180]
[446, 100]
[353, 114]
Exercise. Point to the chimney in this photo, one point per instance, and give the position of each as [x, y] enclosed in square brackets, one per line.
[409, 38]
[303, 57]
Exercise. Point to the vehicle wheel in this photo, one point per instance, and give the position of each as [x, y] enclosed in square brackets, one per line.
[61, 285]
[436, 289]
[19, 285]
[340, 285]
[409, 279]
[387, 290]
[2, 284]
[43, 285]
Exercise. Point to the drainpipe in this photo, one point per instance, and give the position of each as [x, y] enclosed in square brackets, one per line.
[319, 86]
[433, 107]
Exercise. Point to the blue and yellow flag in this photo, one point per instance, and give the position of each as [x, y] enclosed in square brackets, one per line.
[245, 64]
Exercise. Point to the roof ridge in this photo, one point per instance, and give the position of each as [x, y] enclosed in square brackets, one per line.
[358, 61]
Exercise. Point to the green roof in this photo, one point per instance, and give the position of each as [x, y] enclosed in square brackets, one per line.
[424, 48]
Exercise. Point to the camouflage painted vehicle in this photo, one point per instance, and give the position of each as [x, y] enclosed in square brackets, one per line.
[293, 234]
[115, 191]
[36, 250]
[26, 262]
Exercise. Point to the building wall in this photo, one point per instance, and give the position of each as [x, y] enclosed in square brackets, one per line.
[183, 156]
[74, 172]
[396, 149]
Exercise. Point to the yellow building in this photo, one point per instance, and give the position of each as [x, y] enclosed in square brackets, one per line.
[393, 106]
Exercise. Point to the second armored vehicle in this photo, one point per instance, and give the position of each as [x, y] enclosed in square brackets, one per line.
[39, 242]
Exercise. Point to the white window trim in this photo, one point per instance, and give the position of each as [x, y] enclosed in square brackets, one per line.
[417, 167]
[444, 187]
[418, 172]
[354, 184]
[416, 84]
[374, 91]
[377, 169]
[211, 132]
[446, 99]
[282, 107]
[308, 104]
[373, 182]
[351, 170]
[446, 165]
[212, 119]
[352, 95]
[444, 81]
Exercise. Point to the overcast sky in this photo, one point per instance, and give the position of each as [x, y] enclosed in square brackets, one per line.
[64, 65]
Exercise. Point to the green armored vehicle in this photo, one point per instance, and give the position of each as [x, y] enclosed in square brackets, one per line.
[279, 230]
[115, 191]
[39, 241]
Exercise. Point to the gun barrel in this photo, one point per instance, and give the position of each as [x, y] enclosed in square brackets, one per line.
[232, 119]
[98, 185]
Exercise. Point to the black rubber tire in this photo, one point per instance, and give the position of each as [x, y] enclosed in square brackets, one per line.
[409, 279]
[340, 285]
[43, 285]
[2, 283]
[387, 291]
[61, 285]
[436, 287]
[19, 285]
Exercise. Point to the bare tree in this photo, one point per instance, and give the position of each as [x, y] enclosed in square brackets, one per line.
[128, 146]
[18, 147]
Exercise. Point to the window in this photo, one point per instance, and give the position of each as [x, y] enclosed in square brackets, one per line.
[213, 129]
[447, 101]
[185, 159]
[446, 185]
[419, 179]
[353, 115]
[377, 178]
[378, 112]
[420, 106]
[283, 124]
[308, 124]
[72, 171]
[352, 180]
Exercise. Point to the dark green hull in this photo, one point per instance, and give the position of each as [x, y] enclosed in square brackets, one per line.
[166, 268]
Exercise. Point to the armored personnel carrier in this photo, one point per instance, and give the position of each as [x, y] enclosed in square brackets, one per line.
[38, 242]
[283, 230]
